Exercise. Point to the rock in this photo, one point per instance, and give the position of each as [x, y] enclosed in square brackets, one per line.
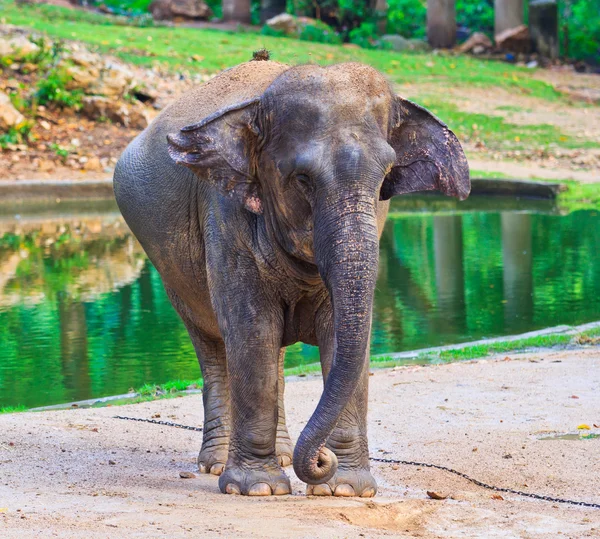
[45, 165]
[187, 475]
[188, 9]
[514, 39]
[81, 77]
[110, 79]
[477, 39]
[399, 43]
[115, 79]
[93, 164]
[419, 45]
[396, 42]
[9, 115]
[133, 115]
[283, 22]
[18, 47]
[85, 58]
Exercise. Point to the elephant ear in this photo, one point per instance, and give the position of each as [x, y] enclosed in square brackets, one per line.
[219, 149]
[428, 155]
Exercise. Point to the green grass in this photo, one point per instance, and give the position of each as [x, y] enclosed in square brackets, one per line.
[498, 134]
[12, 409]
[175, 47]
[168, 387]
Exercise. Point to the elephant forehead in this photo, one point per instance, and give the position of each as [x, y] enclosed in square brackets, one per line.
[342, 86]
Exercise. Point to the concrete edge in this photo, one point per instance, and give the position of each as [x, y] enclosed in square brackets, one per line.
[556, 330]
[52, 189]
[515, 187]
[69, 189]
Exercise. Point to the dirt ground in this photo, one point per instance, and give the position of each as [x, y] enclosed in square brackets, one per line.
[81, 473]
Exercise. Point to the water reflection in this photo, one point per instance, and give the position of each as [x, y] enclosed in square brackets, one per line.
[83, 313]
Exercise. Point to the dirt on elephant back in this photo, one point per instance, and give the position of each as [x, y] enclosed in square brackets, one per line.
[82, 473]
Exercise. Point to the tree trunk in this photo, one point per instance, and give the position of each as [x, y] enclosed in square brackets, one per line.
[236, 10]
[507, 14]
[270, 8]
[441, 23]
[380, 8]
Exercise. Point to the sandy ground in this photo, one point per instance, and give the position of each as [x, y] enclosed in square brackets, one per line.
[485, 418]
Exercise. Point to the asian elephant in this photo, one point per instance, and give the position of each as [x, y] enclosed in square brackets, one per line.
[260, 198]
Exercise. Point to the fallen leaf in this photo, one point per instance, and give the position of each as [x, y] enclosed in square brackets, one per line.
[583, 426]
[596, 426]
[436, 495]
[573, 397]
[497, 497]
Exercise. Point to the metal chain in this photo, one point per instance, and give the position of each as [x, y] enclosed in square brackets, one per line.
[485, 485]
[409, 463]
[166, 423]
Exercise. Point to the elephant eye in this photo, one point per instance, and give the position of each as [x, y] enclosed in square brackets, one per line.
[303, 179]
[304, 184]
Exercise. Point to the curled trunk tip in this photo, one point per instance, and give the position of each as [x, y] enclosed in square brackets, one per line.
[315, 469]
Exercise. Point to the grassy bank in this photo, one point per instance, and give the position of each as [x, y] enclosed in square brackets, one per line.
[425, 77]
[209, 51]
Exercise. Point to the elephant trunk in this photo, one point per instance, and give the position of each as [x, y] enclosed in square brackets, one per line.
[346, 246]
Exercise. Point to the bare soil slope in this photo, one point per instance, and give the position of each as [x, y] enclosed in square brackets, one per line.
[81, 473]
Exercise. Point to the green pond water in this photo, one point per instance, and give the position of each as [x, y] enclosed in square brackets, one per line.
[83, 313]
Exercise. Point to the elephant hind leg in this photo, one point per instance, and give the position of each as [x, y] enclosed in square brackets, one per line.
[215, 392]
[284, 446]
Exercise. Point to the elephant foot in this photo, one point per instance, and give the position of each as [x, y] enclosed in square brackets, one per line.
[284, 449]
[246, 481]
[212, 459]
[346, 483]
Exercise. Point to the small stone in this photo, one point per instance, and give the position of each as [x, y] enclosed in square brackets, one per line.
[93, 164]
[112, 462]
[187, 475]
[9, 115]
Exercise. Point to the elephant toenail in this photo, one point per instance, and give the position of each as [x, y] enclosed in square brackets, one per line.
[321, 490]
[217, 469]
[232, 489]
[285, 460]
[202, 468]
[259, 489]
[344, 490]
[368, 493]
[281, 489]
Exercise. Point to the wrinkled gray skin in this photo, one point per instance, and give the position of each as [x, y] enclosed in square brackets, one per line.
[260, 198]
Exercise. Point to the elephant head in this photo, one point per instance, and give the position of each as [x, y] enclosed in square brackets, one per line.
[317, 156]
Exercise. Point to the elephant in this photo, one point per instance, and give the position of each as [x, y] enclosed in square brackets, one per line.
[260, 197]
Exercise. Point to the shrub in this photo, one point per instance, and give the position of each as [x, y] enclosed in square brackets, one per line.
[407, 18]
[53, 89]
[319, 32]
[364, 36]
[18, 134]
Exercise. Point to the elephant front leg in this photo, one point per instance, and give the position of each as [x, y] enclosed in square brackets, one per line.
[349, 439]
[252, 466]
